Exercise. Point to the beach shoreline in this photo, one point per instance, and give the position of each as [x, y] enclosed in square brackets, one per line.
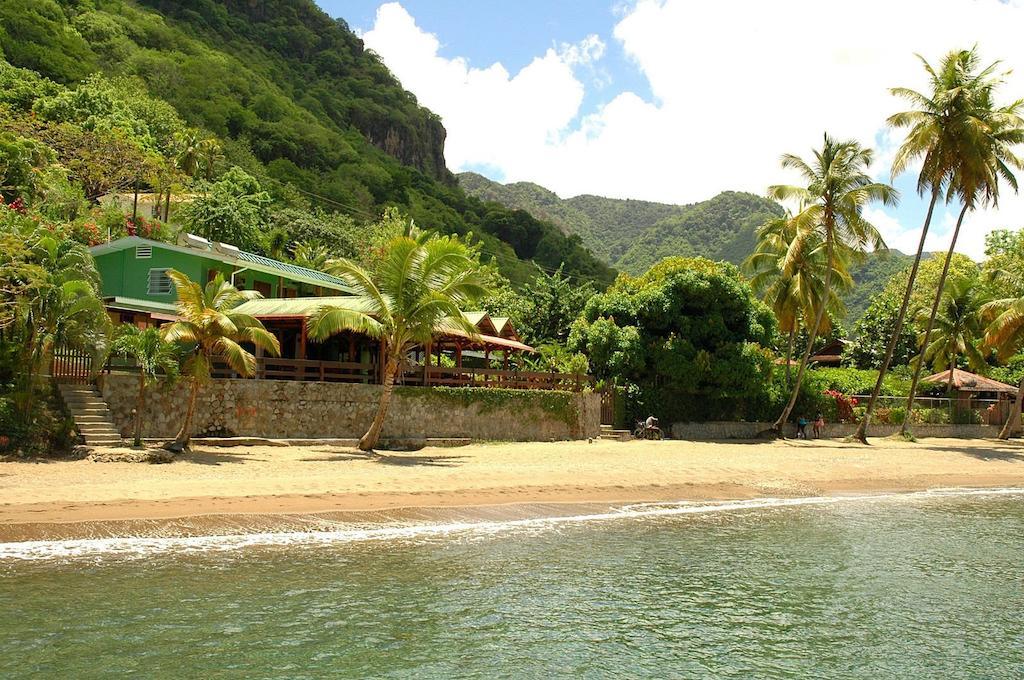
[213, 491]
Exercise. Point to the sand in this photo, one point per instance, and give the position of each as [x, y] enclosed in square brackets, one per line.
[40, 499]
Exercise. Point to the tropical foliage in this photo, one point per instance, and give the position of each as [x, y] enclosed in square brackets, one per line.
[419, 288]
[276, 88]
[210, 330]
[838, 188]
[963, 141]
[689, 336]
[155, 359]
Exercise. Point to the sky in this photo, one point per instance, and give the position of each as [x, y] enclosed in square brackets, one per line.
[677, 100]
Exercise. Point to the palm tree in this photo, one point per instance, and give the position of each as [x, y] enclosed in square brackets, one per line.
[155, 358]
[211, 154]
[958, 328]
[989, 132]
[61, 308]
[212, 330]
[418, 289]
[311, 254]
[944, 138]
[838, 188]
[1005, 334]
[792, 283]
[188, 147]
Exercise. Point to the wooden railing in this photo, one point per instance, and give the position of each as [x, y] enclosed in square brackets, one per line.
[491, 377]
[268, 368]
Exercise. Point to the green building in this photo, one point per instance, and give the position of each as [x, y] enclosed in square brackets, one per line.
[136, 288]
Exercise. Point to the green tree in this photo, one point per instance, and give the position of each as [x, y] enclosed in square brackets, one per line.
[311, 254]
[212, 330]
[872, 334]
[156, 360]
[943, 137]
[838, 188]
[787, 269]
[986, 157]
[419, 288]
[55, 302]
[233, 211]
[958, 328]
[689, 335]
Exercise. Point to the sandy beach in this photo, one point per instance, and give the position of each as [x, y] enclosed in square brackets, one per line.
[40, 499]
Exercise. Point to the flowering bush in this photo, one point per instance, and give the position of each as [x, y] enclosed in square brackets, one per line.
[844, 405]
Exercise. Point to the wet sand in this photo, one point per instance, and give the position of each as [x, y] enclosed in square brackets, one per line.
[255, 488]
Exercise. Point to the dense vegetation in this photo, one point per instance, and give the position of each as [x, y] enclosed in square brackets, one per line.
[633, 235]
[292, 99]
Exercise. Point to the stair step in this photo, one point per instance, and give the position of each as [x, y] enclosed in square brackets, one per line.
[93, 418]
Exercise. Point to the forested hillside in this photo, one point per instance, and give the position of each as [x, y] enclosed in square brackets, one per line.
[290, 96]
[633, 235]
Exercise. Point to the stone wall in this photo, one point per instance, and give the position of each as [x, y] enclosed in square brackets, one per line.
[736, 430]
[284, 409]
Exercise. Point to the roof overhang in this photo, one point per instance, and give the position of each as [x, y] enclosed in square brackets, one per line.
[160, 311]
[243, 261]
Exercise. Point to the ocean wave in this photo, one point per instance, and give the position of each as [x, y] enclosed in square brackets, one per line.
[142, 546]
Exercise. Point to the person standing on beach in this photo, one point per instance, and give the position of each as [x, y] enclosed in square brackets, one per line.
[819, 425]
[801, 428]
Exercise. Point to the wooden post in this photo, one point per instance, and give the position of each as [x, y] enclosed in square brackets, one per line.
[426, 365]
[352, 347]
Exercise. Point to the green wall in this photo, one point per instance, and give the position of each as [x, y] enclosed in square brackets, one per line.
[125, 275]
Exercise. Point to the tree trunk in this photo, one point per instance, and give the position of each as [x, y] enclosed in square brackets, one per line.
[812, 334]
[789, 355]
[1012, 423]
[372, 436]
[139, 406]
[167, 207]
[135, 202]
[931, 322]
[181, 442]
[862, 427]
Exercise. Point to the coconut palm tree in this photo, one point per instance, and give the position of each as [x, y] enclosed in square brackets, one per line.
[958, 328]
[311, 254]
[792, 283]
[60, 308]
[212, 330]
[418, 289]
[838, 188]
[944, 136]
[155, 358]
[1004, 333]
[986, 157]
[211, 154]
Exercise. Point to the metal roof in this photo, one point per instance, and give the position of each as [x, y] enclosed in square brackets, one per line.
[270, 308]
[243, 260]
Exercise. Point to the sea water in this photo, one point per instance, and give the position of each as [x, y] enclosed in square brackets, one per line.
[912, 586]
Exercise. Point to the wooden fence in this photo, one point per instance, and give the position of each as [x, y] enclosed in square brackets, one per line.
[71, 367]
[268, 368]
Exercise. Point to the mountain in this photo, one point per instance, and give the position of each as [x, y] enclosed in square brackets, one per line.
[632, 235]
[296, 100]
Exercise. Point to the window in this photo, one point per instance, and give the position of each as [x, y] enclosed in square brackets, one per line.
[143, 252]
[263, 287]
[289, 293]
[159, 282]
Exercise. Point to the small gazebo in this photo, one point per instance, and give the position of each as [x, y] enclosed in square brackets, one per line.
[967, 389]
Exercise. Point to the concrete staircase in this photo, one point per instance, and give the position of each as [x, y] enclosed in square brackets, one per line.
[91, 414]
[610, 433]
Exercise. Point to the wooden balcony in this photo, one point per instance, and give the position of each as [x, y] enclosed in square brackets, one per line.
[305, 370]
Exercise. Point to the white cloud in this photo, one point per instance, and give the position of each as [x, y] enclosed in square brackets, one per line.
[735, 84]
